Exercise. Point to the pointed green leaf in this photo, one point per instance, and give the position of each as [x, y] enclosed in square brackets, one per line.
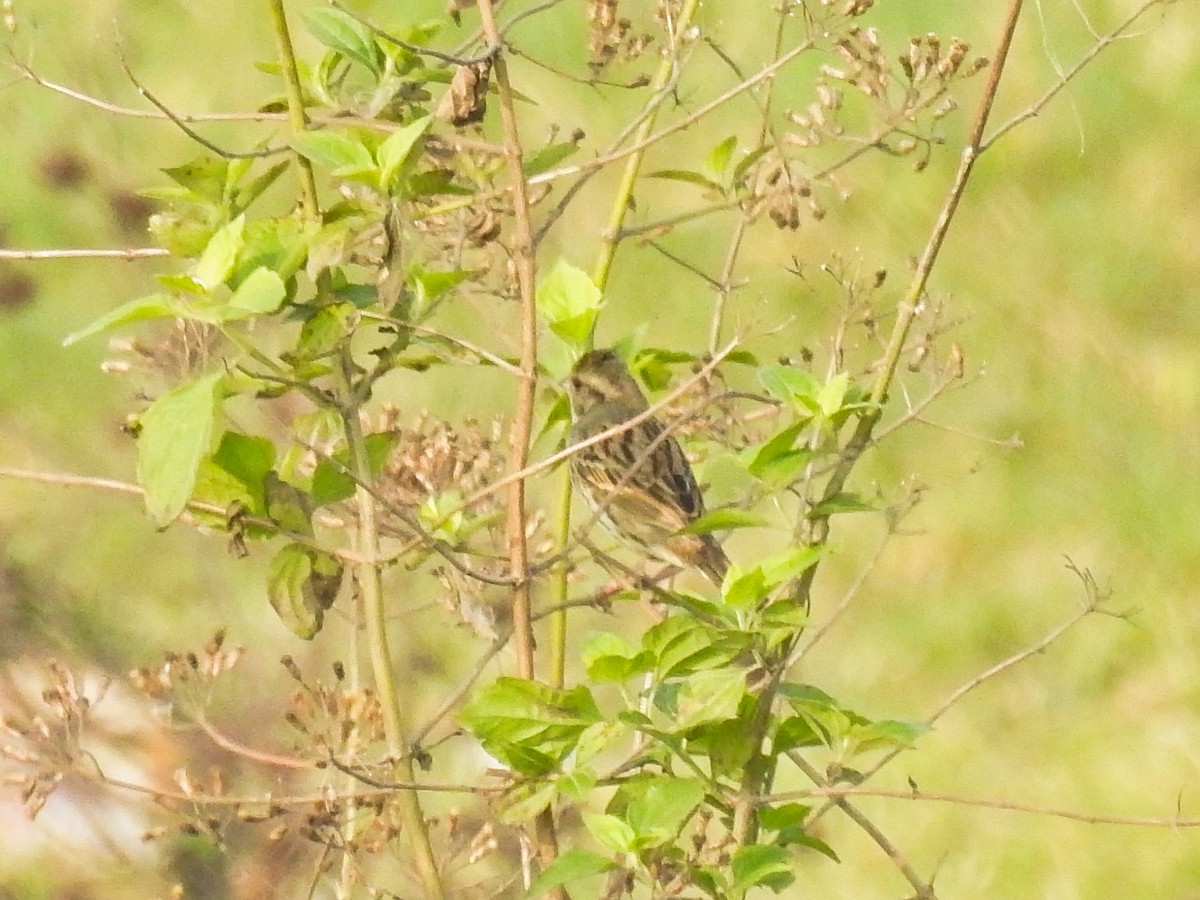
[718, 159]
[547, 158]
[334, 150]
[843, 503]
[175, 435]
[723, 520]
[761, 864]
[248, 459]
[218, 258]
[204, 178]
[610, 831]
[262, 291]
[709, 696]
[345, 34]
[688, 177]
[567, 868]
[569, 300]
[661, 807]
[399, 150]
[155, 306]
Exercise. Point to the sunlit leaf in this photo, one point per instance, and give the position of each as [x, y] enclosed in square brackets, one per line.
[761, 864]
[569, 300]
[568, 867]
[176, 433]
[155, 306]
[398, 151]
[345, 34]
[217, 260]
[723, 520]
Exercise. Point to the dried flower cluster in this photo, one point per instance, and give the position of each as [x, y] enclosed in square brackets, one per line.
[47, 747]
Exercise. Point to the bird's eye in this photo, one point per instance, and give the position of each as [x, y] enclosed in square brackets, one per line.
[576, 382]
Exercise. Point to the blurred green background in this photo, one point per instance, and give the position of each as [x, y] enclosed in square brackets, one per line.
[1072, 267]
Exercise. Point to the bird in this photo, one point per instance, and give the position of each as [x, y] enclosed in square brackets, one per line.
[637, 482]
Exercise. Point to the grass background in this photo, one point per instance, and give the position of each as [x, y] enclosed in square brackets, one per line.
[1072, 265]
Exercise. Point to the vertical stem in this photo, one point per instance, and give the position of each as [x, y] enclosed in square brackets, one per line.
[546, 837]
[370, 585]
[632, 165]
[756, 781]
[295, 97]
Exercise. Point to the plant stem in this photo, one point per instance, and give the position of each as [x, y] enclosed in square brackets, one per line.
[295, 97]
[522, 251]
[369, 578]
[757, 777]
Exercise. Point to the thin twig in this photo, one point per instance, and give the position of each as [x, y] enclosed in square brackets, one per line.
[297, 115]
[836, 791]
[924, 889]
[1067, 77]
[129, 253]
[191, 132]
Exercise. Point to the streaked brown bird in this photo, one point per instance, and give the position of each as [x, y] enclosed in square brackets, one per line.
[638, 482]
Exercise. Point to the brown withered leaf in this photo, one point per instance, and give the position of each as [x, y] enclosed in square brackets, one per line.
[466, 101]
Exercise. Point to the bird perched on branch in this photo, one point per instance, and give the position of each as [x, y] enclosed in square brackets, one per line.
[638, 482]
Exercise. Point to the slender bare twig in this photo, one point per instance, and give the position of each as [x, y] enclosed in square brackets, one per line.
[260, 756]
[924, 889]
[1067, 77]
[987, 803]
[297, 116]
[522, 427]
[130, 253]
[191, 132]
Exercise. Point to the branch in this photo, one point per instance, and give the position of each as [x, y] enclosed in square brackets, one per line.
[1067, 77]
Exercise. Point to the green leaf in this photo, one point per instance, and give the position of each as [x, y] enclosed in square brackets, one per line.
[217, 260]
[569, 301]
[744, 588]
[286, 505]
[248, 459]
[887, 734]
[431, 285]
[262, 291]
[175, 435]
[760, 864]
[334, 150]
[204, 178]
[608, 657]
[397, 152]
[567, 868]
[661, 807]
[301, 584]
[832, 393]
[346, 35]
[331, 483]
[688, 177]
[782, 567]
[155, 306]
[783, 816]
[723, 520]
[744, 164]
[727, 745]
[530, 726]
[843, 503]
[547, 158]
[679, 645]
[709, 696]
[610, 831]
[718, 159]
[791, 385]
[778, 446]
